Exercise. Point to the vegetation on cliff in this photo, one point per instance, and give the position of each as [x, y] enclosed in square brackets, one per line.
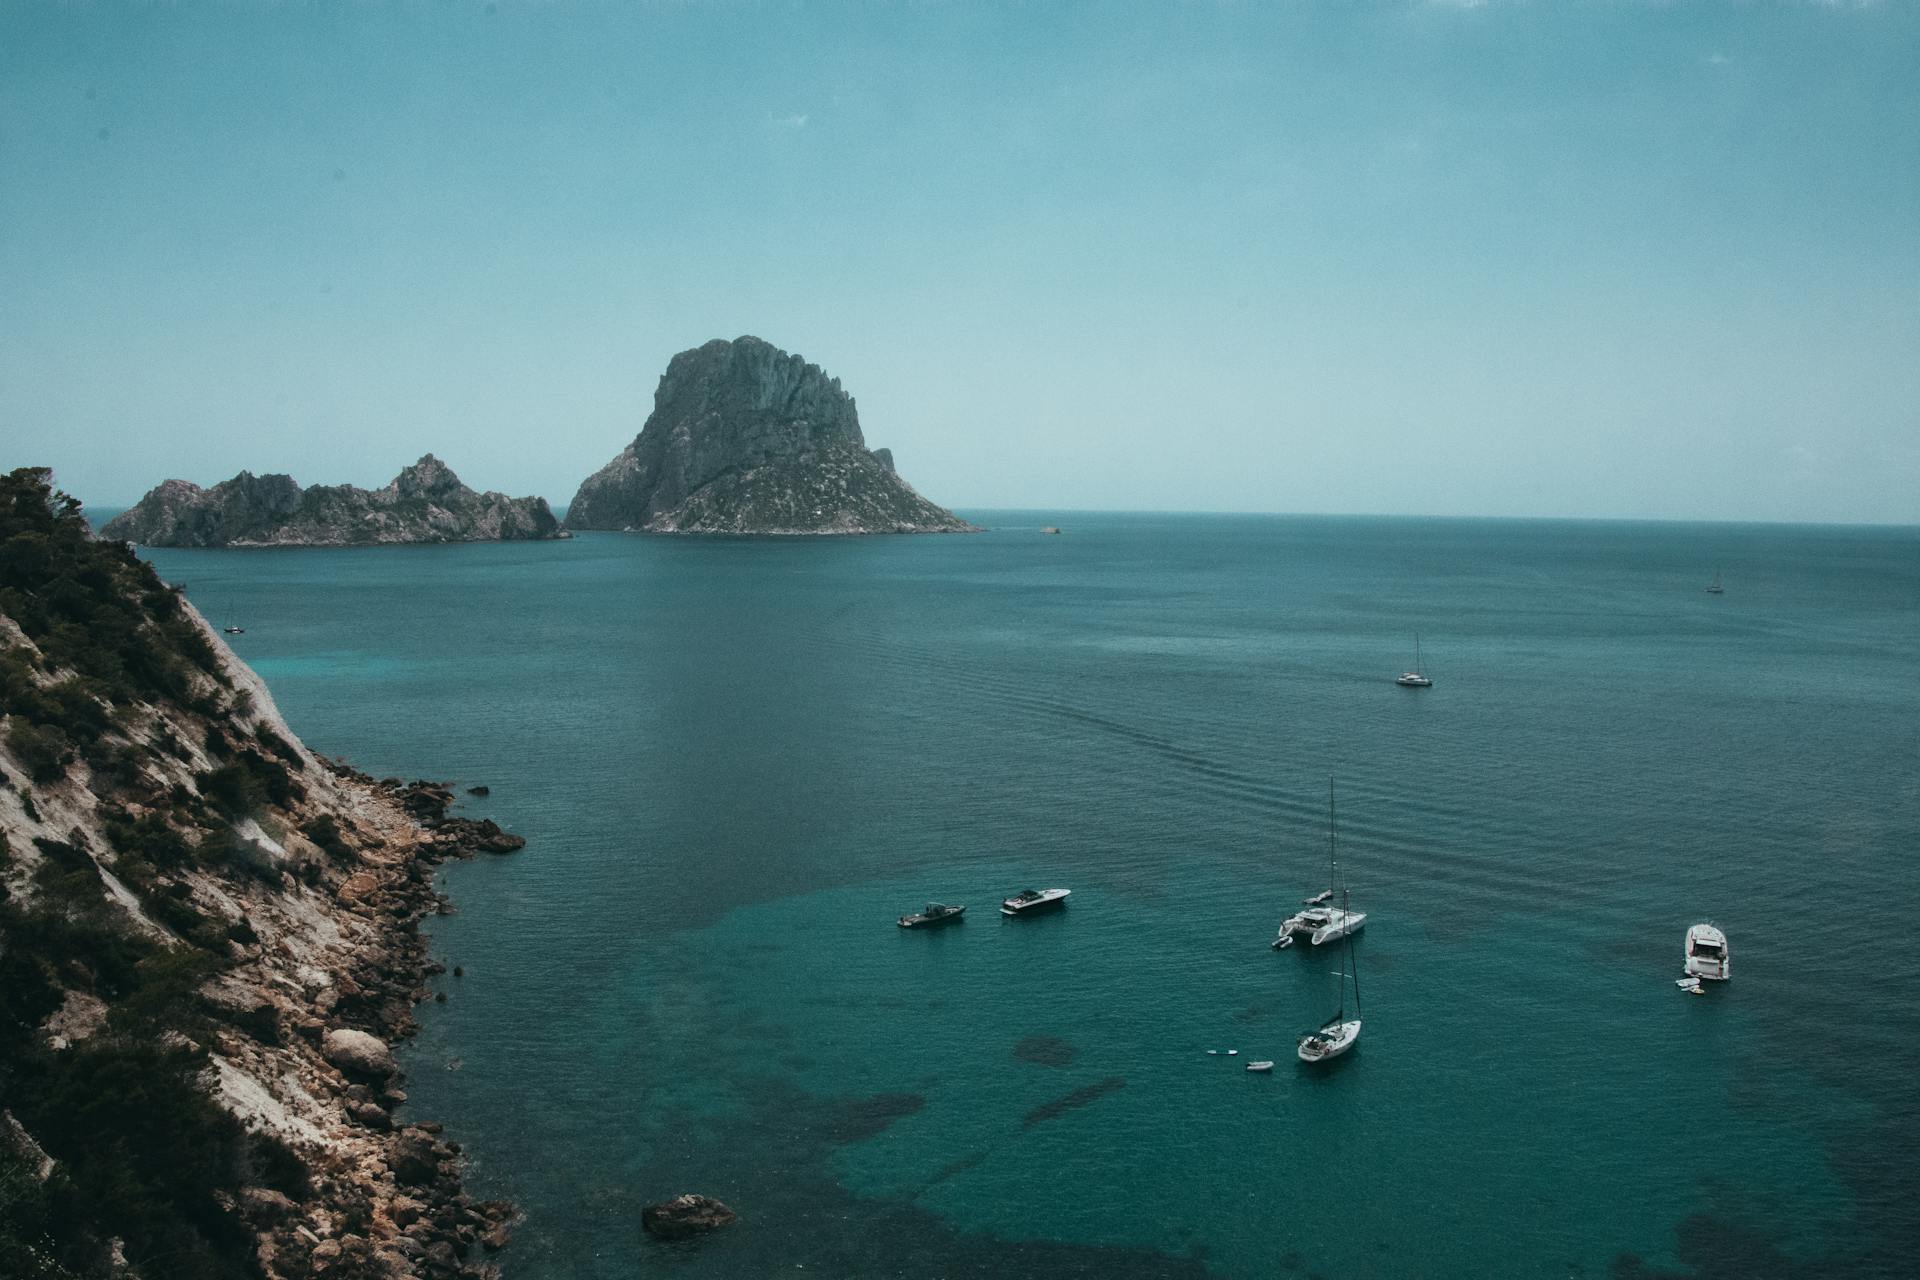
[190, 903]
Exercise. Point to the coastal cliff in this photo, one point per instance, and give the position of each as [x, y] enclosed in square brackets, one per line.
[426, 502]
[745, 438]
[208, 944]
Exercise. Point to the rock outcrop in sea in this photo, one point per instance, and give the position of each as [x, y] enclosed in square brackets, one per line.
[425, 503]
[745, 438]
[208, 947]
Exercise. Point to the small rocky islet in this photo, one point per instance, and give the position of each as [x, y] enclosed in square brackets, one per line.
[747, 439]
[426, 502]
[744, 438]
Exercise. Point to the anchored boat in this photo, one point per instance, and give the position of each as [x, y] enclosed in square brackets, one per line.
[1707, 954]
[936, 913]
[1032, 902]
[1416, 678]
[1337, 1034]
[1320, 922]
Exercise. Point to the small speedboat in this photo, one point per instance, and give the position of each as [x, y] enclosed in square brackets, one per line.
[1707, 954]
[1030, 902]
[936, 913]
[1324, 895]
[1259, 1066]
[235, 631]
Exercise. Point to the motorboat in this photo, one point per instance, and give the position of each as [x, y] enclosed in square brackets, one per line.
[936, 913]
[1260, 1066]
[1032, 902]
[235, 631]
[1325, 895]
[1707, 954]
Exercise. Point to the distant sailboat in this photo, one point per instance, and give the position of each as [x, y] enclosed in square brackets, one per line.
[1415, 679]
[1337, 1034]
[1714, 588]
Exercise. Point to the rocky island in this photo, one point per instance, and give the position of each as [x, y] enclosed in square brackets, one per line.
[425, 503]
[746, 439]
[208, 944]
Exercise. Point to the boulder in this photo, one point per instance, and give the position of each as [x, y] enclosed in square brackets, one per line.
[685, 1215]
[358, 1054]
[415, 1160]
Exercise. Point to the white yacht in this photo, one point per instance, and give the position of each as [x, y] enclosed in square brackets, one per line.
[1416, 678]
[1030, 902]
[1319, 925]
[1334, 1037]
[1707, 954]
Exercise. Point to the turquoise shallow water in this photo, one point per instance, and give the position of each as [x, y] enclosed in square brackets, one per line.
[736, 762]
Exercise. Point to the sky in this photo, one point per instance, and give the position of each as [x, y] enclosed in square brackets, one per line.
[1513, 257]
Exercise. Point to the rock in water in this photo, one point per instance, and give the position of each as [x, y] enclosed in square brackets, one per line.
[685, 1216]
[425, 503]
[745, 438]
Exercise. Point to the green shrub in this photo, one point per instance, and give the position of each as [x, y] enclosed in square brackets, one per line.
[148, 838]
[233, 790]
[43, 750]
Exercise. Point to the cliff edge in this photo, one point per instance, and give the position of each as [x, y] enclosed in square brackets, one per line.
[745, 438]
[208, 943]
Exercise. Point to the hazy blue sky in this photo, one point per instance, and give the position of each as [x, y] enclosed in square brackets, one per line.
[1634, 259]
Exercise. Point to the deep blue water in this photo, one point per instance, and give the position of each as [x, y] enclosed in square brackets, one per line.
[737, 761]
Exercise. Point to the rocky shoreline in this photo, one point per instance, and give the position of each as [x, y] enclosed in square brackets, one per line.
[209, 944]
[388, 1196]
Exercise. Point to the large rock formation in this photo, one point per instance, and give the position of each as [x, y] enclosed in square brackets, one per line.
[745, 438]
[208, 940]
[425, 503]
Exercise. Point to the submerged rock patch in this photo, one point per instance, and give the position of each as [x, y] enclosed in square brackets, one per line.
[1071, 1102]
[1047, 1051]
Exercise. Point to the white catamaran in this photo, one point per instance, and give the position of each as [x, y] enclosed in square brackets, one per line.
[1416, 678]
[1320, 922]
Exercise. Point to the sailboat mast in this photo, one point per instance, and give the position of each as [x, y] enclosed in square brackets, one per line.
[1352, 963]
[1333, 882]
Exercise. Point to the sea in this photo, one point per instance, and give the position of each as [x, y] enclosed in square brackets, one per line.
[738, 761]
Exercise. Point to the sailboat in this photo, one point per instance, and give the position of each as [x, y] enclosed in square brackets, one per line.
[1714, 588]
[1337, 1034]
[1415, 679]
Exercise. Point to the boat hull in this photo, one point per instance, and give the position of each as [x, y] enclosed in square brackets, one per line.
[1329, 1043]
[1319, 926]
[1414, 682]
[923, 921]
[1708, 956]
[1038, 908]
